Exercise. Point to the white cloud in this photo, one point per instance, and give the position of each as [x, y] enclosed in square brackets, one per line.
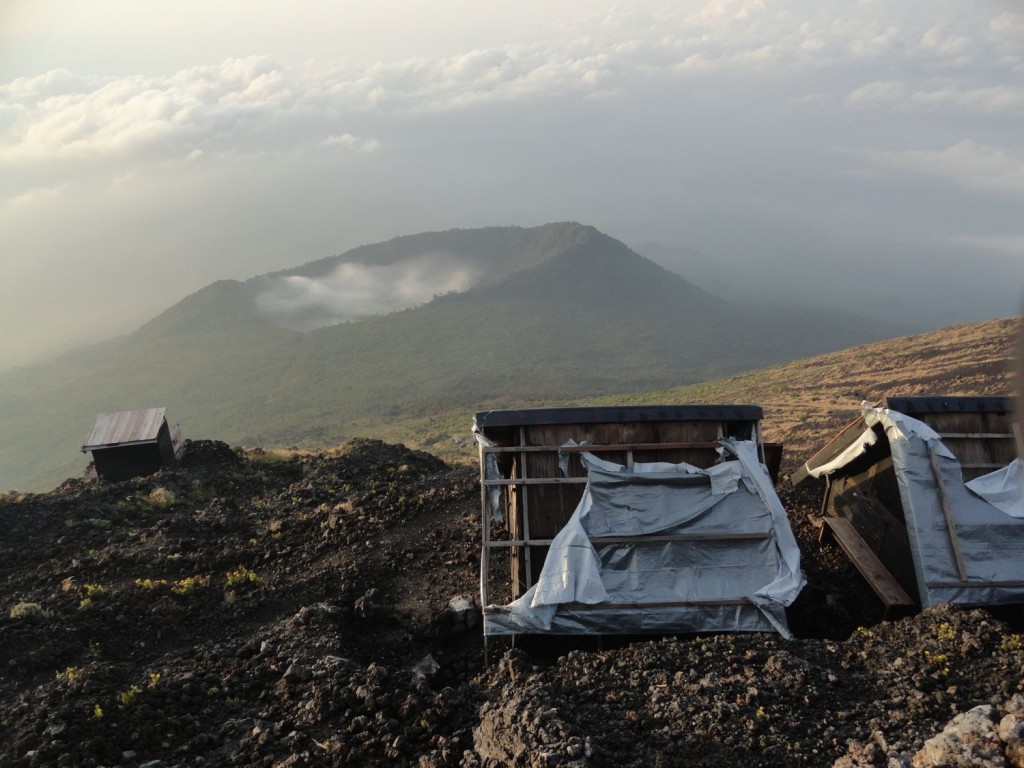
[39, 195]
[877, 93]
[938, 42]
[353, 290]
[992, 99]
[352, 142]
[712, 123]
[967, 163]
[1009, 25]
[996, 99]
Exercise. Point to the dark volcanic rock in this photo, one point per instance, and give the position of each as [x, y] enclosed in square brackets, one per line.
[317, 610]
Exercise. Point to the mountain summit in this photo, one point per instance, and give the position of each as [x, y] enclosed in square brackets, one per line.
[465, 317]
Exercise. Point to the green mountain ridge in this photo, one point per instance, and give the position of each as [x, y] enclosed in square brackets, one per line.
[565, 312]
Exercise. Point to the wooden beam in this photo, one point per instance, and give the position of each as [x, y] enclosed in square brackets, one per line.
[680, 478]
[947, 512]
[620, 606]
[537, 481]
[977, 584]
[618, 448]
[600, 540]
[867, 563]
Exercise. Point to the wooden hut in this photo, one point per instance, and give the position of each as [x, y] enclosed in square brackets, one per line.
[128, 444]
[543, 469]
[902, 500]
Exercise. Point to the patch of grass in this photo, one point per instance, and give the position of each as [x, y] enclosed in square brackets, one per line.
[241, 575]
[71, 675]
[128, 697]
[150, 583]
[91, 591]
[189, 584]
[160, 497]
[28, 612]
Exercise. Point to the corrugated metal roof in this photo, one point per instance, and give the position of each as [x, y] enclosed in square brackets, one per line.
[125, 428]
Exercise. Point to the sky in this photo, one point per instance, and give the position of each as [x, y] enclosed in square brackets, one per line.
[862, 154]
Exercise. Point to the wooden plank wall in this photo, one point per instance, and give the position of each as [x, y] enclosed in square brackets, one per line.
[982, 452]
[870, 501]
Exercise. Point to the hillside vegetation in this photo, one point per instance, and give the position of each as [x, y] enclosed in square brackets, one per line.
[256, 608]
[561, 311]
[807, 401]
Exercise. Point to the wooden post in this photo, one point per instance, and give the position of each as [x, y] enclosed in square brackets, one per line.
[947, 512]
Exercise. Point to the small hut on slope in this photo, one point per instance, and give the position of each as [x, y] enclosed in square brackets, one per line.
[630, 520]
[129, 444]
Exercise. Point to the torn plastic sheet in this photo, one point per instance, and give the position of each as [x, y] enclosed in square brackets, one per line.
[989, 541]
[491, 472]
[897, 426]
[727, 561]
[856, 449]
[1003, 489]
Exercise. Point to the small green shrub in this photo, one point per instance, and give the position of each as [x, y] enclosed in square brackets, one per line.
[71, 675]
[127, 698]
[160, 497]
[189, 584]
[29, 612]
[150, 583]
[241, 575]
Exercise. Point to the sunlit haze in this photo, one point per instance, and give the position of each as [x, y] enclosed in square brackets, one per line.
[866, 155]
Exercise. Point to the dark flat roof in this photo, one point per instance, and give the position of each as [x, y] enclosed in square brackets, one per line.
[941, 404]
[617, 414]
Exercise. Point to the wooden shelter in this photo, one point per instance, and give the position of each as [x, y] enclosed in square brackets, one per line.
[128, 444]
[898, 503]
[533, 480]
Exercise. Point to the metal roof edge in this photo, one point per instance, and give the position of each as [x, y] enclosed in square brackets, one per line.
[107, 446]
[616, 414]
[915, 404]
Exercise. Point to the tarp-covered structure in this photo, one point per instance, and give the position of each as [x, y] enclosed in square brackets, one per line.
[937, 496]
[650, 546]
[127, 444]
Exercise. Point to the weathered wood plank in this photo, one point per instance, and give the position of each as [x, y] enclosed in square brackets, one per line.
[947, 512]
[867, 563]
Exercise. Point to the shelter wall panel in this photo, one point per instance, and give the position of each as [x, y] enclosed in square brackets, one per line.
[117, 464]
[539, 510]
[984, 449]
[870, 501]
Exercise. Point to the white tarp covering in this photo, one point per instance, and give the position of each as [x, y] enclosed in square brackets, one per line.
[990, 541]
[1003, 489]
[720, 555]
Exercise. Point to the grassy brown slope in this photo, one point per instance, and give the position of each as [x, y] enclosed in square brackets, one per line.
[805, 402]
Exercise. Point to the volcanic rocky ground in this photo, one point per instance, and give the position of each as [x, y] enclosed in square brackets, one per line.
[248, 609]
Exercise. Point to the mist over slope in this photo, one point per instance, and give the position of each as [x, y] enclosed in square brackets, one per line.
[553, 312]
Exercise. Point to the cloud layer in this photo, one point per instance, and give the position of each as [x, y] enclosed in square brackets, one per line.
[763, 133]
[353, 290]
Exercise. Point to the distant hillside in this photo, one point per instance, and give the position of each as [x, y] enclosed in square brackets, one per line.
[554, 312]
[806, 402]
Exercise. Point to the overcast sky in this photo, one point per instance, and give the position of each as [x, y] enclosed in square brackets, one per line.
[149, 148]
